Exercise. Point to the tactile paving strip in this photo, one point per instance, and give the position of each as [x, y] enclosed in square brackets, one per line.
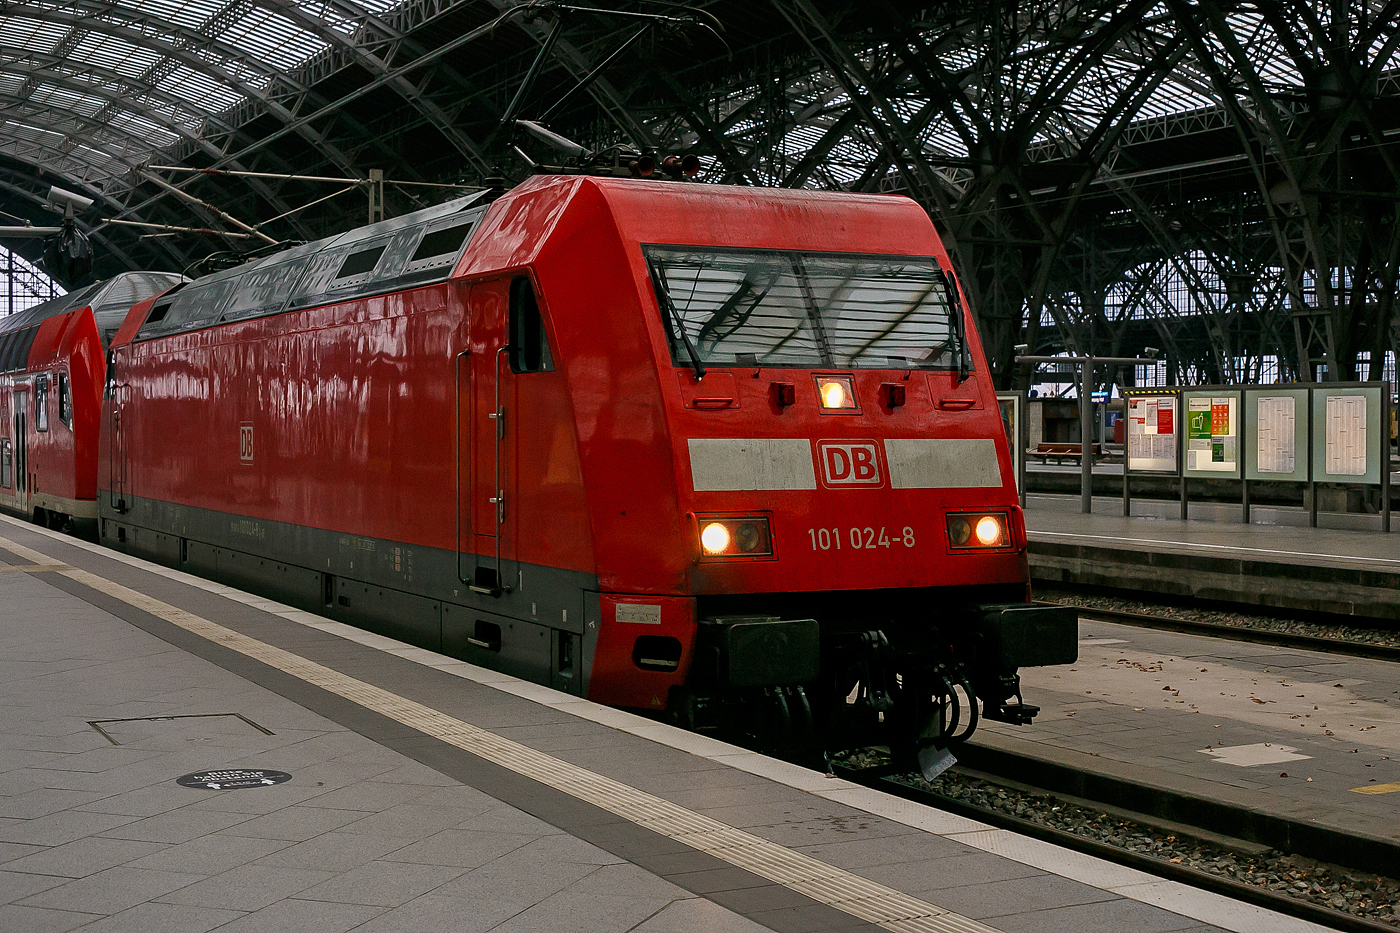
[835, 887]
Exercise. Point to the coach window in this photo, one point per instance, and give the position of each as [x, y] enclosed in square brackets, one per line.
[6, 463]
[529, 350]
[65, 401]
[41, 403]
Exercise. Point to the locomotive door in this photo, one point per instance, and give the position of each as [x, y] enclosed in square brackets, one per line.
[21, 455]
[491, 463]
[117, 450]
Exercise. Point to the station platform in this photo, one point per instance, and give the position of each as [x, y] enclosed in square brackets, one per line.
[1310, 569]
[423, 793]
[1297, 736]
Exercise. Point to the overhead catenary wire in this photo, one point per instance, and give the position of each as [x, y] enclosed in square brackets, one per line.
[284, 176]
[170, 228]
[207, 206]
[303, 207]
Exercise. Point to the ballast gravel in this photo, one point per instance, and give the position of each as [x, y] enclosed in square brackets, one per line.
[1373, 897]
[1340, 631]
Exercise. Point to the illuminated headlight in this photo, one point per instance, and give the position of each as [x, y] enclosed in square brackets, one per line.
[735, 536]
[714, 538]
[978, 530]
[836, 393]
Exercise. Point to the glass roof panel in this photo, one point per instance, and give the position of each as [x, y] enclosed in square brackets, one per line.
[31, 34]
[204, 92]
[273, 38]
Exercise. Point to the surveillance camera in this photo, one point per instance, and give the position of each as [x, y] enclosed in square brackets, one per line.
[1151, 352]
[66, 202]
[1021, 347]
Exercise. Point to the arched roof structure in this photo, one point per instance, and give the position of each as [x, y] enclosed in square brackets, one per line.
[1215, 178]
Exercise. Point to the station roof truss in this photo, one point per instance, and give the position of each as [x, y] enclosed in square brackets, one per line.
[1218, 179]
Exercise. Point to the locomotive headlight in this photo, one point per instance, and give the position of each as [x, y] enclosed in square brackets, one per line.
[975, 530]
[726, 537]
[959, 530]
[715, 538]
[747, 537]
[836, 393]
[988, 531]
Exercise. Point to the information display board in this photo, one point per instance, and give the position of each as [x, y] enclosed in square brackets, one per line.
[1011, 405]
[1346, 434]
[1153, 422]
[1212, 446]
[1276, 434]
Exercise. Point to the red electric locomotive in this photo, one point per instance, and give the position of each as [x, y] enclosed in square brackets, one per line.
[51, 371]
[725, 452]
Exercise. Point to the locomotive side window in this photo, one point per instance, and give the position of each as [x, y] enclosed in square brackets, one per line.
[159, 311]
[360, 263]
[65, 401]
[529, 350]
[444, 242]
[776, 308]
[41, 403]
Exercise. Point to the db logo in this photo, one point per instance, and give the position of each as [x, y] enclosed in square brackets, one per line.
[245, 443]
[850, 463]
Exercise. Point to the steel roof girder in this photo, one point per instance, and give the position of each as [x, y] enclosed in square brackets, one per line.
[161, 46]
[372, 63]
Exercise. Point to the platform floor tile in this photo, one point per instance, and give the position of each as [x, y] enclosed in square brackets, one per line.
[98, 836]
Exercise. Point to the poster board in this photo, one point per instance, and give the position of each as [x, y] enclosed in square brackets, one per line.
[1276, 434]
[1211, 434]
[1012, 405]
[1346, 445]
[1154, 421]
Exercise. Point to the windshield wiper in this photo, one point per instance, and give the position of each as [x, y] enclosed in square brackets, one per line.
[664, 293]
[955, 309]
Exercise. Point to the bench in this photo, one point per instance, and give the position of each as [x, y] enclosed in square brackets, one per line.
[1060, 452]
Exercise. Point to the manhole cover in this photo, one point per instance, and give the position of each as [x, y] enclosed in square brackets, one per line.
[233, 779]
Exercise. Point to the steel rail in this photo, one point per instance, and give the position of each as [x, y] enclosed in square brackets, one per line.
[879, 779]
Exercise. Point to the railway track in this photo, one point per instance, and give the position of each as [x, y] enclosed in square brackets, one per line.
[1244, 633]
[912, 787]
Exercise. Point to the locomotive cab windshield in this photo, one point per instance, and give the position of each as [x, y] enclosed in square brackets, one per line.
[775, 308]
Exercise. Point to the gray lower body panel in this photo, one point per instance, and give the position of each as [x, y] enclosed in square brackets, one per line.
[403, 591]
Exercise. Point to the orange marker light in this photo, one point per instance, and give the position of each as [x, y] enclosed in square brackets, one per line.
[836, 392]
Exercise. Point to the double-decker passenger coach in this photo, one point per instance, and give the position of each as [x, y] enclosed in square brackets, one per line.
[51, 373]
[726, 453]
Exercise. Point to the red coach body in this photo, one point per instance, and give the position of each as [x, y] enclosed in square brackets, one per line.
[51, 373]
